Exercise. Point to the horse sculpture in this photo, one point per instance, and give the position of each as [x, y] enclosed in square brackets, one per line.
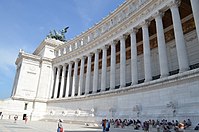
[58, 36]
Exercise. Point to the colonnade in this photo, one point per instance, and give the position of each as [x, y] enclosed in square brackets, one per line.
[69, 86]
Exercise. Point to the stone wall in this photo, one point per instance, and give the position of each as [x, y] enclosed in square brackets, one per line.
[174, 97]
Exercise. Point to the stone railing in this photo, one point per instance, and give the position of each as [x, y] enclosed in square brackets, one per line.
[111, 21]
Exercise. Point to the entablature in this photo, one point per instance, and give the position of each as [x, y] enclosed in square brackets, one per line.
[137, 11]
[22, 55]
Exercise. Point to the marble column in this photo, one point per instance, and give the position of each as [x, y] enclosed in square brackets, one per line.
[88, 74]
[57, 82]
[75, 78]
[147, 52]
[134, 67]
[62, 81]
[113, 65]
[81, 77]
[68, 84]
[104, 67]
[164, 70]
[179, 37]
[96, 71]
[122, 62]
[195, 9]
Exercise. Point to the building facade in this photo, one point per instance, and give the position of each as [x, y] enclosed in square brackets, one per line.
[141, 61]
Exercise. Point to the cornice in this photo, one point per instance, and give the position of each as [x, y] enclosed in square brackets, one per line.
[97, 25]
[48, 41]
[29, 99]
[23, 55]
[46, 61]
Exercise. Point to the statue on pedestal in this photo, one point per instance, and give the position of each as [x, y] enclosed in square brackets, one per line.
[58, 36]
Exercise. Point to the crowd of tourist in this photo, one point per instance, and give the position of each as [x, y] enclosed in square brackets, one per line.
[161, 125]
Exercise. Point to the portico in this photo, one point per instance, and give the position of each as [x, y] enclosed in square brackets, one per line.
[140, 38]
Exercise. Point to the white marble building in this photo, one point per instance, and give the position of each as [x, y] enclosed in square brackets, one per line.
[141, 61]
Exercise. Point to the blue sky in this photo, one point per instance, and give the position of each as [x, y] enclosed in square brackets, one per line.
[25, 23]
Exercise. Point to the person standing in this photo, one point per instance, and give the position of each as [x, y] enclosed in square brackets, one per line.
[104, 125]
[107, 126]
[26, 119]
[60, 126]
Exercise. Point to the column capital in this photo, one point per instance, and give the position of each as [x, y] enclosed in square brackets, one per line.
[105, 47]
[63, 66]
[124, 36]
[174, 3]
[90, 55]
[114, 42]
[83, 57]
[97, 51]
[59, 67]
[77, 60]
[70, 63]
[134, 30]
[158, 14]
[145, 23]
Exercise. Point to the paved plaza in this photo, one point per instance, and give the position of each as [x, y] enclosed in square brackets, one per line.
[50, 126]
[41, 126]
[44, 126]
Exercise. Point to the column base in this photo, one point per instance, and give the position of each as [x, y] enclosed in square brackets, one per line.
[164, 75]
[147, 80]
[183, 70]
[102, 90]
[94, 91]
[86, 93]
[134, 83]
[112, 88]
[121, 86]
